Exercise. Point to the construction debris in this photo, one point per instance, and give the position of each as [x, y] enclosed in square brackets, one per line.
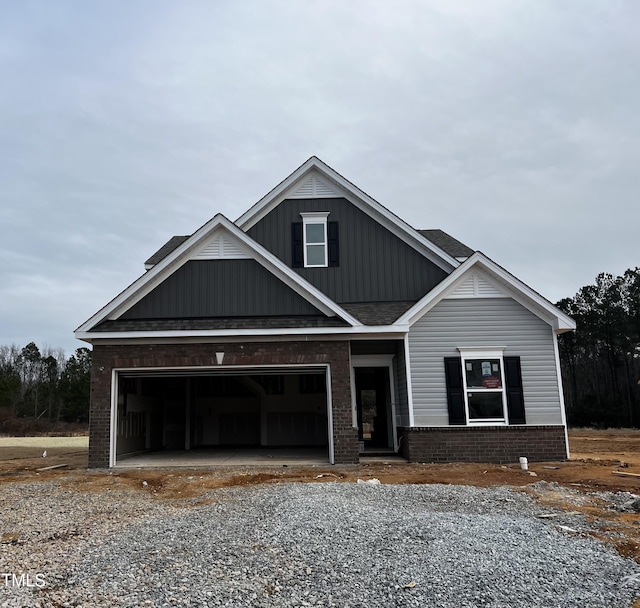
[53, 466]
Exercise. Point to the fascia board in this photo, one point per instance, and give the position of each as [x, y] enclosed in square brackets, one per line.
[148, 281]
[398, 330]
[518, 290]
[360, 199]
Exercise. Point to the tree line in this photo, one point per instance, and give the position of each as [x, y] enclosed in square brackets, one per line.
[600, 361]
[45, 384]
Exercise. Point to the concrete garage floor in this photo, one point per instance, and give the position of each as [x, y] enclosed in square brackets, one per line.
[226, 456]
[239, 457]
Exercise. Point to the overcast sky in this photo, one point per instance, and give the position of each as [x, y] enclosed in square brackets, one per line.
[512, 125]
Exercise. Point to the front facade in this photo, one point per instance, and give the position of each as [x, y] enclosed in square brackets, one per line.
[320, 320]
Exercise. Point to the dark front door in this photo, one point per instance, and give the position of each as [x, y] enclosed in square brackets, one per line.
[373, 400]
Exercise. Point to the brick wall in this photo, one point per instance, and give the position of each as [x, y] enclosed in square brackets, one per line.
[107, 357]
[483, 443]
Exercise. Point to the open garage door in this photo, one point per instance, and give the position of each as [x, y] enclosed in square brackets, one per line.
[190, 410]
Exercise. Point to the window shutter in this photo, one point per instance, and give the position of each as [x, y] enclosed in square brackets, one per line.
[513, 383]
[455, 395]
[332, 238]
[297, 254]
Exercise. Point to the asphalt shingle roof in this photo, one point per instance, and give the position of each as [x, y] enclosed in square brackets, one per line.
[284, 322]
[377, 313]
[166, 249]
[447, 243]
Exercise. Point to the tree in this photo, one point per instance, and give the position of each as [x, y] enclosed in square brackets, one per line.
[30, 371]
[75, 387]
[600, 362]
[10, 381]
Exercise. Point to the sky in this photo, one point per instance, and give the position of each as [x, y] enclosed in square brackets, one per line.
[514, 126]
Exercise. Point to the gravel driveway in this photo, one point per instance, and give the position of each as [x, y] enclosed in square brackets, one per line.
[289, 544]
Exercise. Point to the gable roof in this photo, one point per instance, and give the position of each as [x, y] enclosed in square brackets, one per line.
[447, 243]
[503, 280]
[216, 237]
[314, 178]
[165, 250]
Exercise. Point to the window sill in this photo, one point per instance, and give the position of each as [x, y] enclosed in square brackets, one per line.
[488, 422]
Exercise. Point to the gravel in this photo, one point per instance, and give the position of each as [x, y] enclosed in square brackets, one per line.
[288, 544]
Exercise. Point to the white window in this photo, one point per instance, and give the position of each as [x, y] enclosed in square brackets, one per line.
[314, 235]
[483, 385]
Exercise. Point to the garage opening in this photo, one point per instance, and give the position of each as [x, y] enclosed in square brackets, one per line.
[218, 411]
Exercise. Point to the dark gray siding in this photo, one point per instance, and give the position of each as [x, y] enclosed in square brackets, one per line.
[375, 265]
[220, 288]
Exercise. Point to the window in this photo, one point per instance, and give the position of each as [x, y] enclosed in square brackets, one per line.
[314, 231]
[484, 387]
[314, 242]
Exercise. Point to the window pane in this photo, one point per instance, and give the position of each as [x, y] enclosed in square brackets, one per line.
[483, 373]
[485, 405]
[315, 255]
[315, 233]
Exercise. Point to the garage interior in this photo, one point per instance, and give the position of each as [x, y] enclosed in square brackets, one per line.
[193, 414]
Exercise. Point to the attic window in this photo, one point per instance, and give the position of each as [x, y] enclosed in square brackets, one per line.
[315, 246]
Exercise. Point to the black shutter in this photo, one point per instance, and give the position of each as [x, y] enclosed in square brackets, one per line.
[334, 250]
[513, 382]
[297, 255]
[455, 390]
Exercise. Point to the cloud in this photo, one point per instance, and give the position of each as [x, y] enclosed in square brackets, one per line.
[512, 126]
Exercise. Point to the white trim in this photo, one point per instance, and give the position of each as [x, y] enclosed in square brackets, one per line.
[516, 289]
[481, 352]
[332, 459]
[385, 360]
[113, 431]
[179, 256]
[312, 219]
[407, 364]
[563, 412]
[355, 196]
[476, 353]
[282, 333]
[217, 368]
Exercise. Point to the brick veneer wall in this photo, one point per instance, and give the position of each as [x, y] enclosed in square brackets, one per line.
[483, 443]
[107, 357]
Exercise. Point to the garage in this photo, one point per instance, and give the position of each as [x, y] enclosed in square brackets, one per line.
[195, 411]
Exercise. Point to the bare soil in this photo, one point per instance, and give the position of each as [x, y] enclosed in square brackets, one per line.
[595, 455]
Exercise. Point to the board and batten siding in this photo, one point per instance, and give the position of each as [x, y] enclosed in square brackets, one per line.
[220, 288]
[374, 264]
[483, 322]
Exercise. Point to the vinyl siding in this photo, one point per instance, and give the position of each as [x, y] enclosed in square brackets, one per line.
[220, 288]
[375, 265]
[480, 322]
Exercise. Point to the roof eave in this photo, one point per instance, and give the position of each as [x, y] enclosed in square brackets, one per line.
[97, 336]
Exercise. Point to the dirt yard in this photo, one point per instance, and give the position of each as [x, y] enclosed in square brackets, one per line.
[595, 457]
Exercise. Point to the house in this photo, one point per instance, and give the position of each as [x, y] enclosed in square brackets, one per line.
[320, 319]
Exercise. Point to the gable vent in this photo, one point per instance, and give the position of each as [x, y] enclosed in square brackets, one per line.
[314, 186]
[221, 247]
[476, 286]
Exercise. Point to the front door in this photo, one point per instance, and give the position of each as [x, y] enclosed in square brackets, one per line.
[373, 404]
